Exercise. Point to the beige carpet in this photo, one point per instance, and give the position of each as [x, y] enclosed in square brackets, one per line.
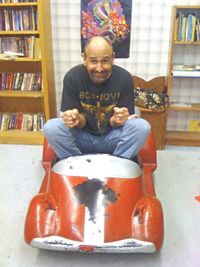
[177, 182]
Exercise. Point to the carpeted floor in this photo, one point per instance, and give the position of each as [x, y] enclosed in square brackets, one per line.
[177, 182]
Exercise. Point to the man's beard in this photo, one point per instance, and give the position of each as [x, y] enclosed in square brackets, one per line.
[99, 77]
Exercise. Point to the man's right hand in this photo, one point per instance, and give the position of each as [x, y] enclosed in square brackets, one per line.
[73, 119]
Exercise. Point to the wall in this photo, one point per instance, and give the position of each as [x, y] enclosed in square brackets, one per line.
[150, 36]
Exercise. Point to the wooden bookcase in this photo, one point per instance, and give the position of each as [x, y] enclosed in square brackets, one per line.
[42, 101]
[183, 87]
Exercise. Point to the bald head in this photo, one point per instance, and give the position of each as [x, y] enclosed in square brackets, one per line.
[98, 59]
[98, 44]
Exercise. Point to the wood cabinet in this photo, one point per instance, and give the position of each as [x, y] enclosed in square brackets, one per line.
[184, 77]
[26, 29]
[156, 118]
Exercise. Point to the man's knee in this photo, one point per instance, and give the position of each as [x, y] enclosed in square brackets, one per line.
[51, 127]
[144, 126]
[139, 125]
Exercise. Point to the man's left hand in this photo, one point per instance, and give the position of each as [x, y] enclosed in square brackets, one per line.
[119, 117]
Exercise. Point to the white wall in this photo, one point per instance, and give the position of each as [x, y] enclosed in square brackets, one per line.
[150, 35]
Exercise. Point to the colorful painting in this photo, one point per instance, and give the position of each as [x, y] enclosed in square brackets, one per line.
[108, 18]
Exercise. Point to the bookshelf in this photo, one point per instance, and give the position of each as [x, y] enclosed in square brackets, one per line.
[25, 29]
[184, 77]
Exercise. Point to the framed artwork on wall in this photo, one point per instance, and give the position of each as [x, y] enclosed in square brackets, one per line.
[108, 18]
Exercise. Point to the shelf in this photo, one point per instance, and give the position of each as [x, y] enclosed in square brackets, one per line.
[21, 137]
[27, 59]
[189, 74]
[193, 107]
[188, 77]
[18, 4]
[182, 138]
[185, 74]
[186, 42]
[19, 32]
[28, 94]
[24, 59]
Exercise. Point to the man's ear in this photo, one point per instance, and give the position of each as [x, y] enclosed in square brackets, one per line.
[113, 55]
[84, 58]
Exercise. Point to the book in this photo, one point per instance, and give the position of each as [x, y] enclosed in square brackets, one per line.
[27, 82]
[35, 119]
[13, 80]
[24, 122]
[25, 20]
[30, 81]
[180, 21]
[29, 122]
[36, 49]
[186, 67]
[9, 81]
[16, 81]
[29, 46]
[198, 30]
[190, 28]
[24, 82]
[7, 57]
[194, 21]
[19, 120]
[4, 81]
[2, 24]
[36, 81]
[11, 53]
[194, 126]
[31, 19]
[180, 104]
[183, 31]
[12, 123]
[20, 81]
[6, 20]
[5, 121]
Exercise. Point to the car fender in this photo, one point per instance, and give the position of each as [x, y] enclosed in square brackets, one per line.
[41, 217]
[147, 221]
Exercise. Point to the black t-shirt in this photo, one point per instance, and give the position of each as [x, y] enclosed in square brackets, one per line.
[97, 101]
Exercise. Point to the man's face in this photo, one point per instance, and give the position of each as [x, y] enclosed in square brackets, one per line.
[99, 64]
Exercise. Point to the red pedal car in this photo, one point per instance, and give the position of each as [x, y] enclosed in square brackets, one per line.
[97, 203]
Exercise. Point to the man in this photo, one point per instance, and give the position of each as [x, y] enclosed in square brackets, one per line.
[97, 101]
